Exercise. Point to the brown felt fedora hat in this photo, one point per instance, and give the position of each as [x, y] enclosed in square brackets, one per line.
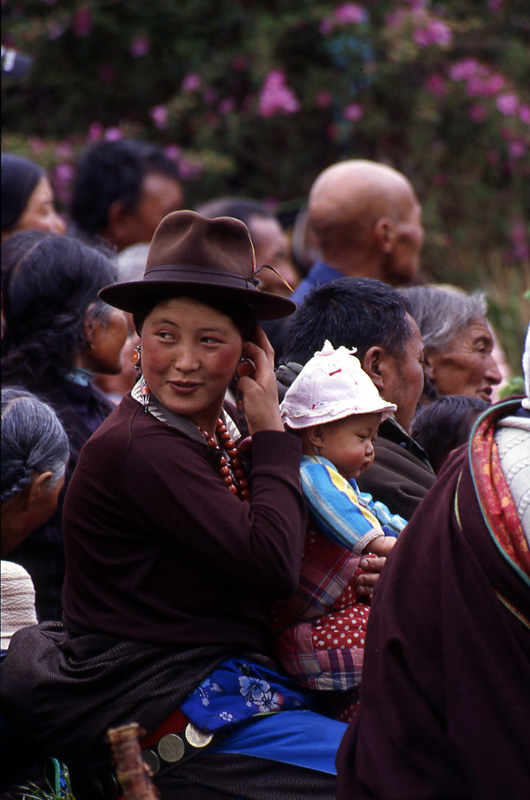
[203, 258]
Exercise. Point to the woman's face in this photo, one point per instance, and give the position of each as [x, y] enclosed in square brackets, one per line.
[107, 338]
[40, 213]
[189, 356]
[467, 366]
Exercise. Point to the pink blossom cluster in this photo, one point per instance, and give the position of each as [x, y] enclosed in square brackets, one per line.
[427, 29]
[276, 97]
[345, 14]
[483, 83]
[353, 112]
[433, 31]
[191, 82]
[480, 80]
[160, 116]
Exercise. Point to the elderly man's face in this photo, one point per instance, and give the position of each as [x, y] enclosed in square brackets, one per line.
[404, 381]
[467, 366]
[404, 260]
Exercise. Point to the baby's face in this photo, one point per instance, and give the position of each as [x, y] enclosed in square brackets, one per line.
[349, 443]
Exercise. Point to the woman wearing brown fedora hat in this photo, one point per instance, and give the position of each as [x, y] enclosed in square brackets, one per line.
[177, 539]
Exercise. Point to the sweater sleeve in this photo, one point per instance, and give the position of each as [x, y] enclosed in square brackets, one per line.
[180, 498]
[335, 507]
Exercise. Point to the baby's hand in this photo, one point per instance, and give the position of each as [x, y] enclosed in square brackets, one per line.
[381, 545]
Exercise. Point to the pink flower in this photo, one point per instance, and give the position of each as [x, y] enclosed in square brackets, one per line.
[160, 117]
[226, 106]
[140, 46]
[434, 32]
[465, 69]
[189, 170]
[37, 144]
[478, 113]
[326, 26]
[323, 99]
[494, 5]
[276, 97]
[191, 82]
[517, 148]
[435, 84]
[173, 151]
[63, 176]
[83, 22]
[349, 13]
[396, 19]
[113, 134]
[64, 150]
[507, 103]
[353, 112]
[95, 132]
[524, 114]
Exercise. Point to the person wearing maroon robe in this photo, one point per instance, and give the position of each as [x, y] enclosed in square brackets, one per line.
[445, 696]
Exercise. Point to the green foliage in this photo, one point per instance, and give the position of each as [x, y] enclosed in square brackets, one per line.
[257, 98]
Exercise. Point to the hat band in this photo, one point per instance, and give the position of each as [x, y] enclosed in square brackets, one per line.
[199, 275]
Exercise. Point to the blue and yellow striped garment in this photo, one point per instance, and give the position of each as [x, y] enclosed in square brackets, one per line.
[340, 511]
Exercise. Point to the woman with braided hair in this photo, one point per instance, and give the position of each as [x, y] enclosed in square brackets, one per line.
[57, 335]
[34, 457]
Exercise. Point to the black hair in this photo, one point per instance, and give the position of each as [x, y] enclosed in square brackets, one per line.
[33, 441]
[19, 179]
[242, 315]
[446, 423]
[350, 312]
[110, 171]
[48, 289]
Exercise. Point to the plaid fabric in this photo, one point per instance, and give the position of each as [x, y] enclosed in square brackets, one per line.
[321, 643]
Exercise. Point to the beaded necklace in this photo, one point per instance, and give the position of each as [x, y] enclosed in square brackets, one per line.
[230, 469]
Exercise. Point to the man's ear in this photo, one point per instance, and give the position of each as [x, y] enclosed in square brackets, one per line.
[384, 234]
[38, 489]
[373, 363]
[315, 435]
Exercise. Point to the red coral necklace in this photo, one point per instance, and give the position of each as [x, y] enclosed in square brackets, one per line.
[230, 467]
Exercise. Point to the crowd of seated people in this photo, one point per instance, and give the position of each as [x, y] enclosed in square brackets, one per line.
[236, 522]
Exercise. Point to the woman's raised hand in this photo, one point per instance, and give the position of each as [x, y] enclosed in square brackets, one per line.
[258, 388]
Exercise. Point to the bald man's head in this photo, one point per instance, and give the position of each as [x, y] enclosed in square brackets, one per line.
[367, 220]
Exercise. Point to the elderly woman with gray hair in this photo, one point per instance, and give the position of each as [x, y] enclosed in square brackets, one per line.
[458, 340]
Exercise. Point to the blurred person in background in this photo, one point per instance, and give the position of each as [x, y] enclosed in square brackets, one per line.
[27, 198]
[34, 457]
[122, 190]
[270, 241]
[57, 334]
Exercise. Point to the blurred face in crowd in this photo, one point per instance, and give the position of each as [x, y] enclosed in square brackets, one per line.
[106, 337]
[404, 260]
[467, 366]
[272, 247]
[159, 196]
[40, 213]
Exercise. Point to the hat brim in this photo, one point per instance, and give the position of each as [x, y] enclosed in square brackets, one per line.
[134, 296]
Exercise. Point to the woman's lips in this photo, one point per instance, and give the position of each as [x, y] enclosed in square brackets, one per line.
[184, 387]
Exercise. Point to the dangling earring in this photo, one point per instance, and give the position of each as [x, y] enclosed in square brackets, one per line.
[144, 394]
[136, 358]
